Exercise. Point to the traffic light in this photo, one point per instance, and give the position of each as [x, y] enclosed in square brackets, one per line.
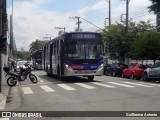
[3, 44]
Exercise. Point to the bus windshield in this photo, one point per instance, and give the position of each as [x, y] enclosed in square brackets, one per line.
[83, 49]
[39, 55]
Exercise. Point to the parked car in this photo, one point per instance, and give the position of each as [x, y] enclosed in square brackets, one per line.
[19, 64]
[152, 72]
[115, 69]
[30, 63]
[134, 71]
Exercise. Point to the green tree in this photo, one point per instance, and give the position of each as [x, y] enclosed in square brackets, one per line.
[24, 55]
[35, 45]
[155, 7]
[147, 46]
[118, 42]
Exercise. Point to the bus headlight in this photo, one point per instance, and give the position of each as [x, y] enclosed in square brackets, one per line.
[68, 67]
[100, 67]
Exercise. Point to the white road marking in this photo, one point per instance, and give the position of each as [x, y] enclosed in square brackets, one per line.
[138, 84]
[104, 85]
[27, 90]
[85, 86]
[66, 87]
[4, 118]
[124, 85]
[40, 80]
[47, 88]
[150, 84]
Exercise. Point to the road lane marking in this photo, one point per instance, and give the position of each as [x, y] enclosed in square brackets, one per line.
[47, 88]
[150, 84]
[40, 80]
[4, 118]
[104, 85]
[85, 86]
[27, 90]
[138, 84]
[124, 85]
[64, 86]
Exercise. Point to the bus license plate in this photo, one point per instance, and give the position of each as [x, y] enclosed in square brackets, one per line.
[84, 72]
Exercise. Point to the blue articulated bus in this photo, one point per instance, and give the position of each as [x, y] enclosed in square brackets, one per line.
[74, 54]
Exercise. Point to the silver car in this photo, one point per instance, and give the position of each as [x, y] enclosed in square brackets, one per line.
[153, 72]
[19, 64]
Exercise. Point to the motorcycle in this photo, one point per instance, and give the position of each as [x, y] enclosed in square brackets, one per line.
[20, 76]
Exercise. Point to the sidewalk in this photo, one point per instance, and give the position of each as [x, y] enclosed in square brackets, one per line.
[4, 92]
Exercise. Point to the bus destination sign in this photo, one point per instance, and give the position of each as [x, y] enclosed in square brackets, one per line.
[83, 36]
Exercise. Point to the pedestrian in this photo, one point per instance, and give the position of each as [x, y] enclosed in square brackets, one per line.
[9, 63]
[12, 64]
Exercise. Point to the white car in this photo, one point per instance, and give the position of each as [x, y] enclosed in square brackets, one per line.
[19, 64]
[153, 72]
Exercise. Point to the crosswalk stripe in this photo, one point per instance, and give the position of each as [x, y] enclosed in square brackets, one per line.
[40, 80]
[27, 90]
[124, 85]
[149, 84]
[47, 88]
[85, 86]
[138, 84]
[66, 87]
[4, 118]
[104, 85]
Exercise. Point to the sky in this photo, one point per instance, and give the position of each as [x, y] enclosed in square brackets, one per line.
[37, 19]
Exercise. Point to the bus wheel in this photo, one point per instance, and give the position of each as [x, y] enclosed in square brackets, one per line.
[90, 78]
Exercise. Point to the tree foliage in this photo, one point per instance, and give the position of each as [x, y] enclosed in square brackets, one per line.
[118, 42]
[35, 45]
[147, 46]
[23, 55]
[155, 7]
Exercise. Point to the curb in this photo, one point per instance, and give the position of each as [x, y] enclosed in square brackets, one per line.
[4, 96]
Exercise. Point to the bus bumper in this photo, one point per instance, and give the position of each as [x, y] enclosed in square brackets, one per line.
[68, 72]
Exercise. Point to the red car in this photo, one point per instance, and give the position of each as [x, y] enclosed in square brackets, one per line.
[134, 71]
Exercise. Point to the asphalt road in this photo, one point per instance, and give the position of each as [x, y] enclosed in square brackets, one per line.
[103, 94]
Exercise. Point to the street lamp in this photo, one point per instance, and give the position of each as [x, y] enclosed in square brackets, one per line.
[61, 28]
[49, 36]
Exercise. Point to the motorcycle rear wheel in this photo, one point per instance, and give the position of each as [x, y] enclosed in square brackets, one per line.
[11, 81]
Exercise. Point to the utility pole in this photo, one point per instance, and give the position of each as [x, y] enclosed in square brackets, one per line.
[158, 22]
[109, 12]
[79, 22]
[3, 38]
[61, 28]
[127, 11]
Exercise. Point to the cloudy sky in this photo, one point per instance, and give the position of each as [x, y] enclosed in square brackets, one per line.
[37, 19]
